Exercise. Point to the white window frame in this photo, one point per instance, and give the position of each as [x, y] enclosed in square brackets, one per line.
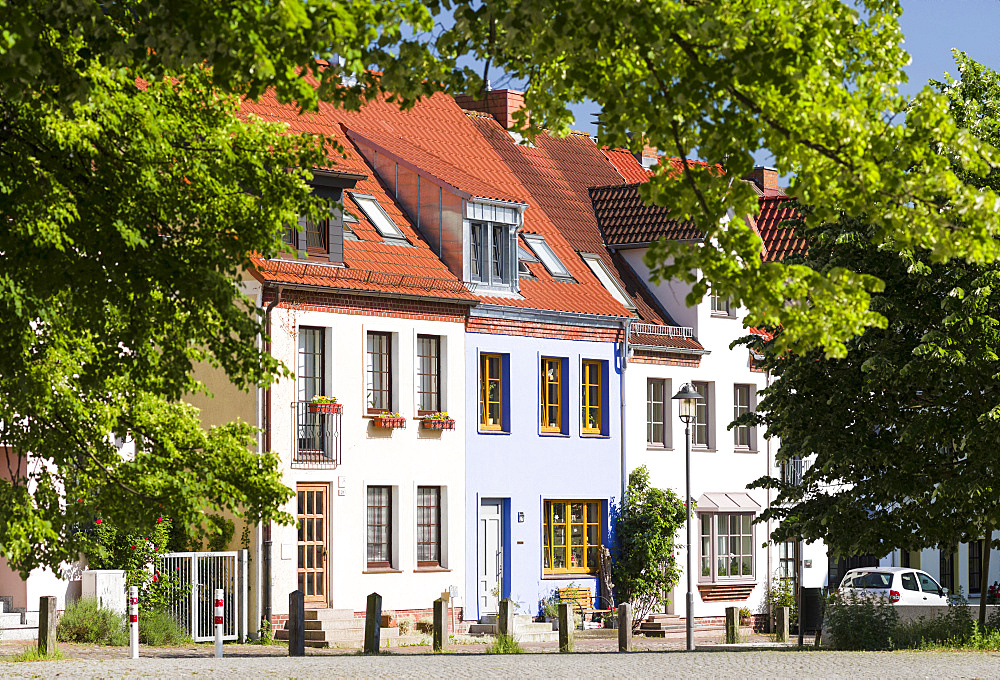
[609, 282]
[543, 251]
[667, 403]
[376, 214]
[738, 410]
[704, 416]
[713, 551]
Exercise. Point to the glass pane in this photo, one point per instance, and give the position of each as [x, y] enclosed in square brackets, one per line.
[723, 545]
[576, 534]
[319, 528]
[309, 529]
[706, 525]
[723, 564]
[592, 561]
[734, 524]
[593, 534]
[319, 583]
[309, 502]
[722, 524]
[559, 512]
[302, 530]
[310, 563]
[576, 557]
[706, 566]
[734, 566]
[747, 566]
[558, 557]
[746, 546]
[593, 513]
[310, 580]
[301, 503]
[746, 524]
[559, 535]
[576, 512]
[302, 581]
[302, 556]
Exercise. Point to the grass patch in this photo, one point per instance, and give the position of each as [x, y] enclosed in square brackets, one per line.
[32, 654]
[505, 644]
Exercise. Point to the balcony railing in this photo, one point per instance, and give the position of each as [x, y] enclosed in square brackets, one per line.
[791, 472]
[315, 437]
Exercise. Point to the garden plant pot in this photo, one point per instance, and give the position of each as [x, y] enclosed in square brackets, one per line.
[389, 423]
[325, 407]
[439, 424]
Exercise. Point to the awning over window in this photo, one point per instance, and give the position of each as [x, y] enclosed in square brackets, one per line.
[738, 501]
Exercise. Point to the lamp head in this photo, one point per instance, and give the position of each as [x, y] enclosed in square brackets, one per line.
[687, 402]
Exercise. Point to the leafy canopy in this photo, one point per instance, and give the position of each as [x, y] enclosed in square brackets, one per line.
[904, 427]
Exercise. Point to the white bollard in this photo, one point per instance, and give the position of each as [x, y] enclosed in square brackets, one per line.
[218, 623]
[133, 621]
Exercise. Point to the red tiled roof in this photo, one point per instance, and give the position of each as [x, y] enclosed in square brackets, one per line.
[779, 241]
[436, 132]
[626, 165]
[626, 219]
[558, 172]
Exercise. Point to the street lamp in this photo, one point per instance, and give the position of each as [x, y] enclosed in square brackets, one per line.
[687, 407]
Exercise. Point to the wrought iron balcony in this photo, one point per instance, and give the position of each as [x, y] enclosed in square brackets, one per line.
[791, 472]
[315, 436]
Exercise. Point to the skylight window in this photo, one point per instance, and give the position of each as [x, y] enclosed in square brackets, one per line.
[607, 280]
[544, 252]
[378, 216]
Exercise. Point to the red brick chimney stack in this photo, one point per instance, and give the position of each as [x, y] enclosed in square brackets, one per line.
[764, 177]
[501, 104]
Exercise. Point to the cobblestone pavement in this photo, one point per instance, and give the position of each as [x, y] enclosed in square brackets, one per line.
[466, 662]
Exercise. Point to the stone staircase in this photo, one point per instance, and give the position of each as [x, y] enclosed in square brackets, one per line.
[336, 628]
[659, 625]
[15, 626]
[525, 630]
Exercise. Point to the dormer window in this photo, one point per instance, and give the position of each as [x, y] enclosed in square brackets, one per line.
[491, 233]
[545, 253]
[610, 283]
[379, 218]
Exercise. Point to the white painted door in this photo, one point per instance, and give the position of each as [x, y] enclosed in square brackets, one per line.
[490, 555]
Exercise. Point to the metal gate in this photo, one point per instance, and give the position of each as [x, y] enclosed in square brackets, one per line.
[197, 575]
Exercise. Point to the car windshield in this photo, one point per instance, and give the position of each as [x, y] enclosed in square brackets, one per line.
[872, 579]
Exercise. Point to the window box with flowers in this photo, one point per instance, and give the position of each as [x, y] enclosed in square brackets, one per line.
[438, 421]
[389, 421]
[322, 404]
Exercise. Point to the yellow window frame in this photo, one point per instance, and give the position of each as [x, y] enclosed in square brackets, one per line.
[591, 416]
[489, 397]
[549, 381]
[550, 548]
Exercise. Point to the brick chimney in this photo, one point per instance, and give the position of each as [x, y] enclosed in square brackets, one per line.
[501, 104]
[764, 177]
[649, 156]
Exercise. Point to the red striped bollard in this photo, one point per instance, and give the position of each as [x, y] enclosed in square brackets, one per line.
[133, 621]
[218, 623]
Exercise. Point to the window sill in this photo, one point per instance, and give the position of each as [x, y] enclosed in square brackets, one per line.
[717, 315]
[504, 432]
[703, 449]
[659, 448]
[594, 435]
[738, 450]
[553, 434]
[430, 570]
[382, 570]
[569, 577]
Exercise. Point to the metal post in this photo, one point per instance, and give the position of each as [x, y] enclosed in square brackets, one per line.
[296, 623]
[505, 617]
[798, 589]
[219, 608]
[133, 621]
[373, 624]
[690, 580]
[243, 595]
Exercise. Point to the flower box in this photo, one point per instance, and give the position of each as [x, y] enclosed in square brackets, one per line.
[325, 407]
[431, 424]
[389, 422]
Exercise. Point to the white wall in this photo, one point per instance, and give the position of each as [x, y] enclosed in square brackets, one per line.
[402, 459]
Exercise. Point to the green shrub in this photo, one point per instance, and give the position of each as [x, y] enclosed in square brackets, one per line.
[33, 654]
[780, 593]
[861, 623]
[86, 621]
[157, 628]
[505, 644]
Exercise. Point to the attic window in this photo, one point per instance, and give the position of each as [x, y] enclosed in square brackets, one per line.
[547, 256]
[350, 220]
[378, 217]
[609, 282]
[523, 258]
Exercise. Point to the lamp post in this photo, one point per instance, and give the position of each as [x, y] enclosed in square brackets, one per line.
[687, 406]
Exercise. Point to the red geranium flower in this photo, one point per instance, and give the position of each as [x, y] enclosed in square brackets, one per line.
[159, 520]
[97, 521]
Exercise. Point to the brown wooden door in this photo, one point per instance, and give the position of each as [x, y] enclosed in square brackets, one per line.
[312, 548]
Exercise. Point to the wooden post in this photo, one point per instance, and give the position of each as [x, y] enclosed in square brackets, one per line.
[47, 625]
[373, 624]
[732, 621]
[296, 623]
[782, 624]
[566, 627]
[440, 624]
[505, 617]
[625, 627]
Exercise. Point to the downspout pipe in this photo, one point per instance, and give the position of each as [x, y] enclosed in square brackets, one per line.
[264, 532]
[627, 328]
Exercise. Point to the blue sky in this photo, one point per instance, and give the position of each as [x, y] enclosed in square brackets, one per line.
[932, 28]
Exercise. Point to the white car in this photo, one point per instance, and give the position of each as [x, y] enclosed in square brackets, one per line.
[899, 585]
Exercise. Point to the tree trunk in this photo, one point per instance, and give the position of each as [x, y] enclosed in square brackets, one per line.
[984, 576]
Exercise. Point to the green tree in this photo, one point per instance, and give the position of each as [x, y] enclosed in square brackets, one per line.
[645, 567]
[904, 427]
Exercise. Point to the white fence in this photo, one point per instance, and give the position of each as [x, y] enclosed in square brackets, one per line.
[197, 575]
